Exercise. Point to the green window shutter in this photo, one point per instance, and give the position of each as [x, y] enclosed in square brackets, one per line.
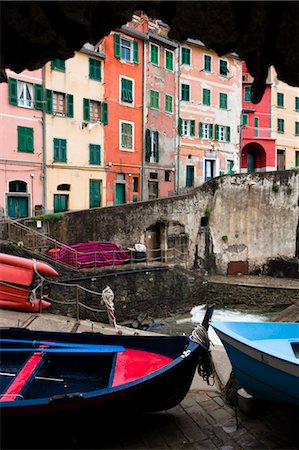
[280, 99]
[38, 97]
[169, 60]
[86, 109]
[207, 63]
[117, 46]
[180, 126]
[49, 101]
[192, 127]
[185, 57]
[223, 100]
[29, 139]
[206, 97]
[21, 139]
[157, 148]
[185, 92]
[126, 90]
[256, 127]
[147, 145]
[58, 64]
[217, 132]
[245, 119]
[135, 52]
[189, 176]
[70, 105]
[13, 91]
[63, 149]
[154, 54]
[56, 149]
[200, 130]
[94, 154]
[247, 93]
[211, 131]
[104, 113]
[296, 128]
[227, 134]
[94, 69]
[297, 103]
[168, 103]
[59, 149]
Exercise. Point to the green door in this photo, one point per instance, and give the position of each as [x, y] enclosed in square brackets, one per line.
[120, 193]
[94, 193]
[250, 162]
[17, 207]
[61, 202]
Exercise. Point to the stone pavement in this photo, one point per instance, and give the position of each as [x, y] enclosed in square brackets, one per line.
[202, 421]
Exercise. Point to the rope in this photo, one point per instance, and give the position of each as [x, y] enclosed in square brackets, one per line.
[205, 367]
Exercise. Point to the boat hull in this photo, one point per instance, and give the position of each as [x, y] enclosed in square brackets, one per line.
[263, 374]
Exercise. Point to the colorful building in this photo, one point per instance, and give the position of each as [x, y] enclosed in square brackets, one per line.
[209, 111]
[75, 118]
[21, 144]
[285, 122]
[124, 132]
[257, 139]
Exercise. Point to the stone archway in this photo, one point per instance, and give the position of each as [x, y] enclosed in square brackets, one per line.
[253, 158]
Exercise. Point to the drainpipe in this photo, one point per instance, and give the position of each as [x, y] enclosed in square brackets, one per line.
[143, 118]
[179, 137]
[44, 145]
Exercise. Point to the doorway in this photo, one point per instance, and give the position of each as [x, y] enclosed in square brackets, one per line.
[17, 207]
[250, 161]
[281, 160]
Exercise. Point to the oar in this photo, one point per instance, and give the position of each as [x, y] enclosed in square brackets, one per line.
[81, 349]
[48, 343]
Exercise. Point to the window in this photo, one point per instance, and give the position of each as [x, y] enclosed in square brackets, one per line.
[126, 90]
[58, 64]
[95, 69]
[154, 99]
[125, 49]
[245, 119]
[25, 139]
[207, 63]
[206, 130]
[167, 176]
[186, 56]
[135, 184]
[154, 54]
[185, 92]
[94, 193]
[168, 103]
[222, 133]
[280, 99]
[230, 164]
[151, 146]
[247, 94]
[206, 97]
[60, 202]
[222, 100]
[256, 127]
[94, 154]
[17, 186]
[297, 128]
[297, 103]
[209, 169]
[26, 95]
[168, 60]
[59, 103]
[189, 176]
[59, 150]
[95, 111]
[223, 69]
[126, 136]
[186, 127]
[297, 158]
[280, 125]
[63, 187]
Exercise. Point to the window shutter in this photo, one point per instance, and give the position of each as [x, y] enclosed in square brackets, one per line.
[13, 91]
[56, 149]
[104, 113]
[130, 91]
[70, 105]
[157, 142]
[135, 52]
[22, 139]
[227, 134]
[211, 131]
[49, 101]
[200, 130]
[86, 109]
[91, 68]
[117, 46]
[217, 132]
[147, 145]
[99, 71]
[29, 139]
[38, 97]
[63, 149]
[180, 126]
[192, 127]
[124, 94]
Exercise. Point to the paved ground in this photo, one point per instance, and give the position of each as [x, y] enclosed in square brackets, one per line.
[202, 421]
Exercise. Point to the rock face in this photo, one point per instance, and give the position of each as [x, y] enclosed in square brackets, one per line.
[261, 33]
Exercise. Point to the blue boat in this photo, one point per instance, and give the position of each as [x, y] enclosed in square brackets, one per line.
[264, 357]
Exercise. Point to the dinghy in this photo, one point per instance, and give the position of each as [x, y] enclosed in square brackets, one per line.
[52, 374]
[264, 357]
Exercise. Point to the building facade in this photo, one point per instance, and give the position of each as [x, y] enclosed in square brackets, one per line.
[21, 144]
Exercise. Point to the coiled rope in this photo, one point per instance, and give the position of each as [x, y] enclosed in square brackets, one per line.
[205, 368]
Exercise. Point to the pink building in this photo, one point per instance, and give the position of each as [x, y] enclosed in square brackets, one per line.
[21, 144]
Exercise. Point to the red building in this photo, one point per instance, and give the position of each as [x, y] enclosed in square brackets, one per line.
[257, 143]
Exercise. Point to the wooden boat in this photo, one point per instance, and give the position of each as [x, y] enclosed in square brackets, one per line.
[52, 374]
[264, 357]
[17, 279]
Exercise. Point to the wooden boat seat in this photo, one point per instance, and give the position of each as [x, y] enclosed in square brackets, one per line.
[22, 381]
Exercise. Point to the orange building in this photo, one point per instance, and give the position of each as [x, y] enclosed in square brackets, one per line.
[124, 131]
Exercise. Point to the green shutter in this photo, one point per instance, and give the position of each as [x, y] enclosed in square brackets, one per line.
[117, 46]
[63, 149]
[200, 130]
[192, 127]
[157, 141]
[38, 97]
[21, 139]
[217, 132]
[206, 97]
[29, 139]
[147, 145]
[223, 100]
[135, 52]
[211, 131]
[58, 64]
[94, 69]
[247, 93]
[13, 91]
[56, 149]
[86, 109]
[154, 54]
[94, 154]
[69, 105]
[297, 103]
[49, 101]
[104, 113]
[180, 126]
[169, 60]
[227, 134]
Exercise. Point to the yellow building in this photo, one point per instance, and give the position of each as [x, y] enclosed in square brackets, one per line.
[285, 122]
[75, 117]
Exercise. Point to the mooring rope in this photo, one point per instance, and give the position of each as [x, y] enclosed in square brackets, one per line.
[205, 367]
